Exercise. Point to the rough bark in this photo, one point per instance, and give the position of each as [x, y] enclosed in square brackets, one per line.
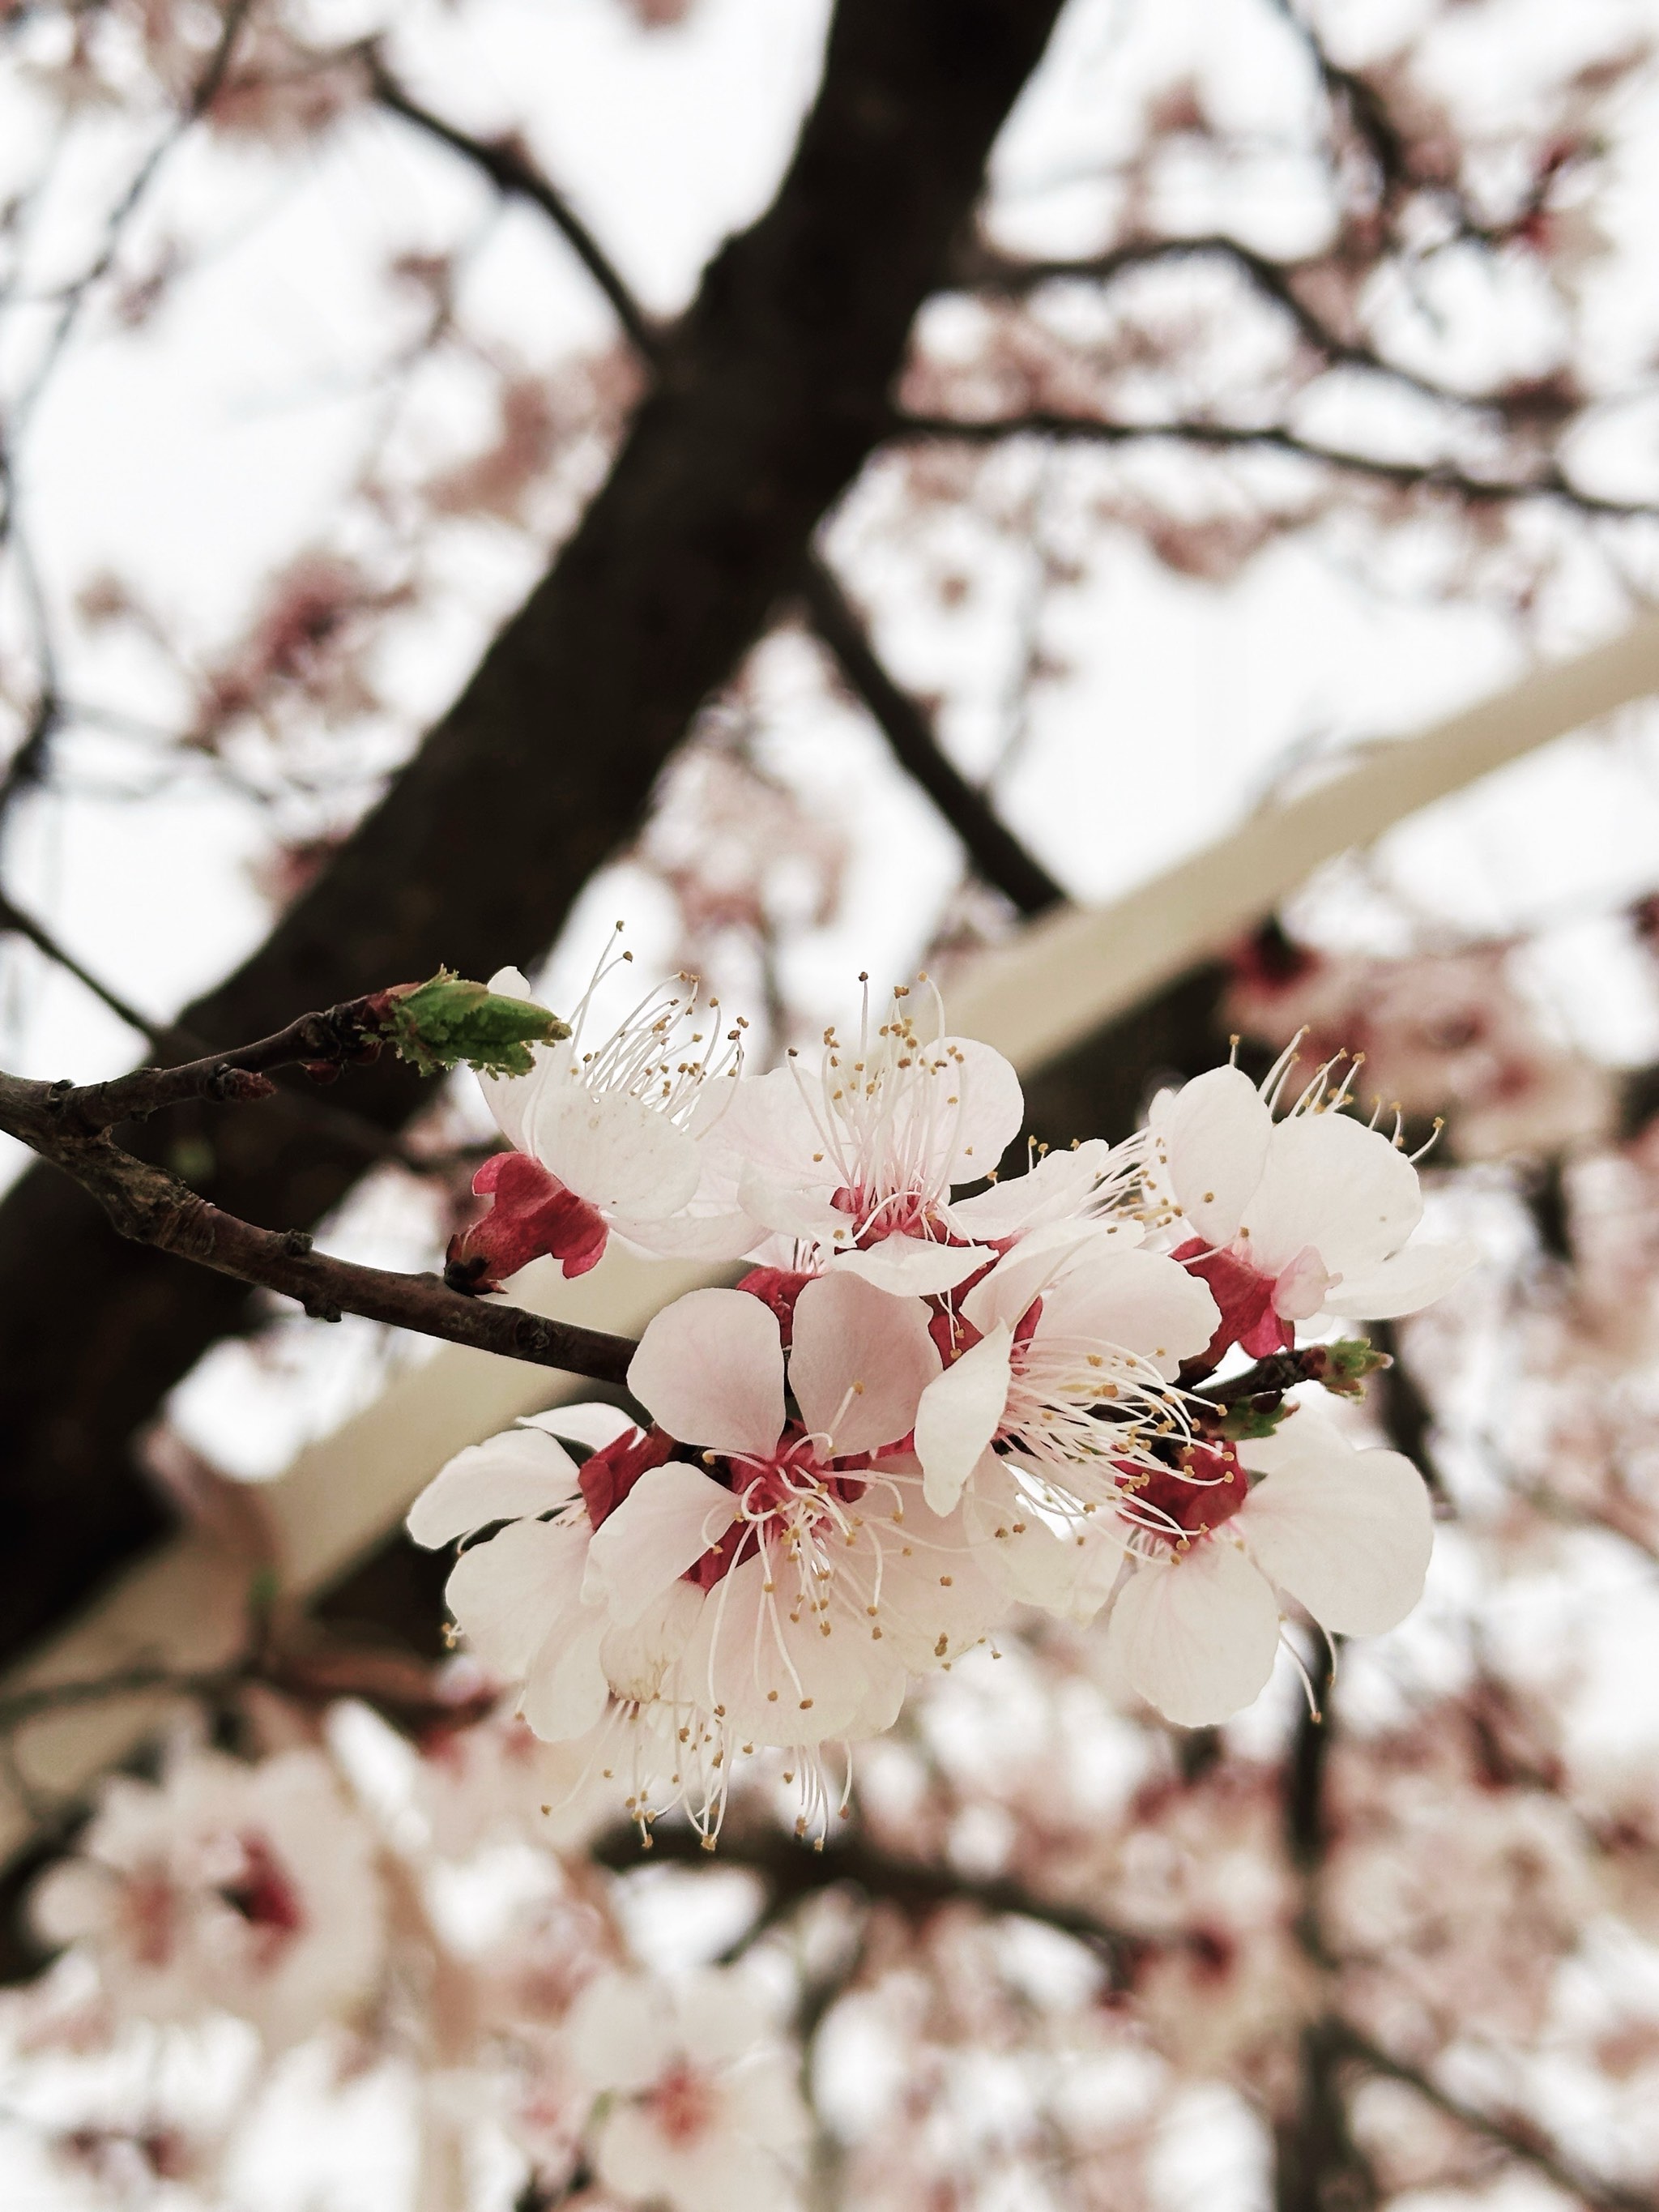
[767, 398]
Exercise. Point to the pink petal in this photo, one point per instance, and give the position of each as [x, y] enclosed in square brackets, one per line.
[1332, 1183]
[518, 1474]
[1213, 1133]
[668, 1520]
[1348, 1533]
[1198, 1639]
[1410, 1281]
[915, 1266]
[1140, 1301]
[506, 1595]
[859, 1363]
[710, 1367]
[959, 1414]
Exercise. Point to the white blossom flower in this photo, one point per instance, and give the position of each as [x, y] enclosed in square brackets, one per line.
[1344, 1534]
[1070, 1343]
[249, 1889]
[1287, 1219]
[825, 1579]
[605, 1138]
[857, 1165]
[518, 1595]
[699, 2107]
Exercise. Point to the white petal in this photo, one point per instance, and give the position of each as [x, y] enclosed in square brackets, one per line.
[595, 1426]
[759, 1660]
[507, 1593]
[508, 1096]
[724, 2171]
[1030, 1270]
[1405, 1283]
[721, 2017]
[1331, 1182]
[1141, 1302]
[937, 1599]
[1069, 1571]
[914, 1265]
[517, 1473]
[859, 1363]
[669, 1519]
[766, 1121]
[990, 1109]
[610, 1148]
[959, 1414]
[1056, 1188]
[565, 1690]
[1196, 1639]
[764, 2100]
[635, 2159]
[619, 2033]
[637, 1658]
[710, 1236]
[1349, 1537]
[1214, 1132]
[788, 1209]
[710, 1367]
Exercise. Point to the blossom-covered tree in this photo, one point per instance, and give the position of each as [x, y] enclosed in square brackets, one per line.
[1092, 1657]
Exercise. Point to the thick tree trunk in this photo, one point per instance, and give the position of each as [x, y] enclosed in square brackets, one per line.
[768, 398]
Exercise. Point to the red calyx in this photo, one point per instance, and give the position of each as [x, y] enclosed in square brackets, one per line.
[607, 1477]
[1245, 1297]
[1209, 1488]
[531, 1217]
[777, 1288]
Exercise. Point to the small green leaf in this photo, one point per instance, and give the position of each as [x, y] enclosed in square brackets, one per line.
[1343, 1366]
[448, 1022]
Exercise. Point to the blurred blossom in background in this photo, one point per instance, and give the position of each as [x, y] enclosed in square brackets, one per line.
[1281, 378]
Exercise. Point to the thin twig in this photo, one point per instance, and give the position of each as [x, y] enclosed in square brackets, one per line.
[507, 164]
[983, 270]
[1550, 484]
[1511, 2132]
[996, 852]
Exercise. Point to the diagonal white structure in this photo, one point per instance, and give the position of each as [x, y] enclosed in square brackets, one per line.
[1051, 987]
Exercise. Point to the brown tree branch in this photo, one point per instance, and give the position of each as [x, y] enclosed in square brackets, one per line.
[996, 851]
[144, 1203]
[794, 1871]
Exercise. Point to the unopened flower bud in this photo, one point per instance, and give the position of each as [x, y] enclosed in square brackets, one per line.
[446, 1021]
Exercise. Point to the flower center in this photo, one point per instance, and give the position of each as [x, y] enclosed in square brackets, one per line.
[1206, 1487]
[682, 2105]
[265, 1897]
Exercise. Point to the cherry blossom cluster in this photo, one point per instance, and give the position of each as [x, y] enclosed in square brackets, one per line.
[277, 1894]
[937, 1394]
